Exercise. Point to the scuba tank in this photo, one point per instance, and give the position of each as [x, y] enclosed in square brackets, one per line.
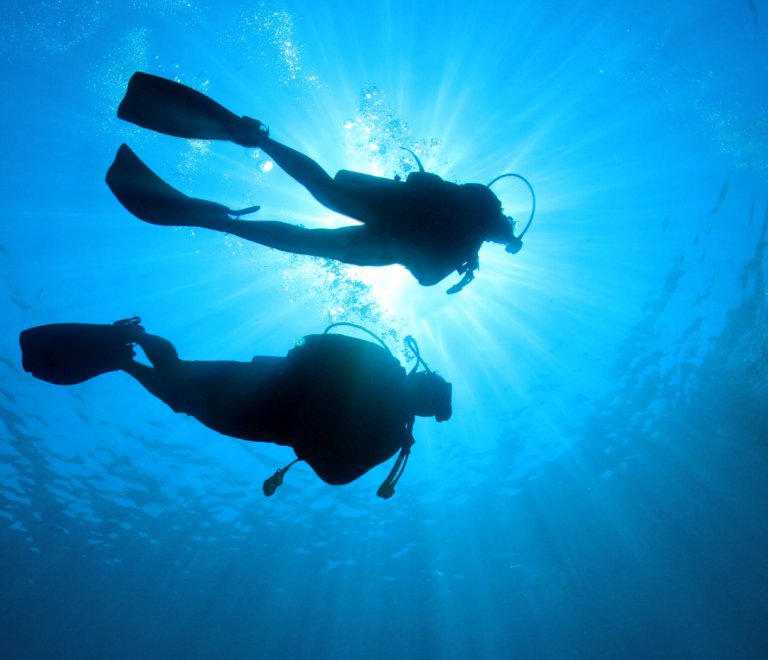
[306, 352]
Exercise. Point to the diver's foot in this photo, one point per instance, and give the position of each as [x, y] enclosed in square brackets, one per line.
[128, 330]
[250, 132]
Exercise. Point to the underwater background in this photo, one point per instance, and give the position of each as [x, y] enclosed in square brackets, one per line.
[600, 491]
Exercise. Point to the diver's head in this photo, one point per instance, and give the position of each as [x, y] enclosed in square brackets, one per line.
[429, 394]
[486, 207]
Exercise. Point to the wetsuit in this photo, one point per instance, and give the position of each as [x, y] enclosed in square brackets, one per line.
[336, 400]
[432, 227]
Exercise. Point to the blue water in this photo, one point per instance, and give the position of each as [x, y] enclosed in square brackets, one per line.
[600, 491]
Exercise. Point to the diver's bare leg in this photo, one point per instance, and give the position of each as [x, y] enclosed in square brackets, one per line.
[352, 245]
[314, 178]
[301, 167]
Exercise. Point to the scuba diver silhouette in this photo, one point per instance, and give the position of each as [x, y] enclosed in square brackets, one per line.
[343, 404]
[431, 226]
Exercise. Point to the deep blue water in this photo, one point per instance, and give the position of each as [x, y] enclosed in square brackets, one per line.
[600, 491]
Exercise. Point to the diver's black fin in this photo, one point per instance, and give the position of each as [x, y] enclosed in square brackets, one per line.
[152, 200]
[169, 107]
[70, 353]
